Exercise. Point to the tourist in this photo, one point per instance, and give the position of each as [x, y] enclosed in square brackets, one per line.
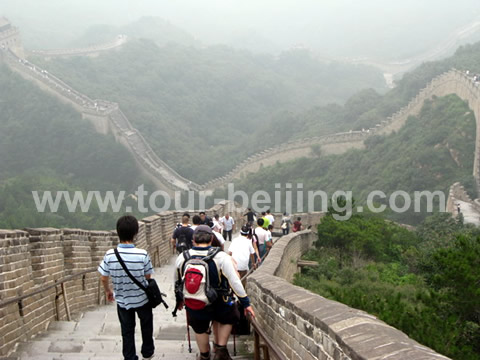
[221, 313]
[250, 217]
[266, 220]
[270, 217]
[219, 240]
[286, 222]
[130, 298]
[269, 240]
[205, 219]
[297, 225]
[196, 220]
[261, 236]
[217, 225]
[228, 226]
[182, 236]
[242, 252]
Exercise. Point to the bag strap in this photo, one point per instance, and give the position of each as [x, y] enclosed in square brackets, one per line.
[138, 283]
[210, 255]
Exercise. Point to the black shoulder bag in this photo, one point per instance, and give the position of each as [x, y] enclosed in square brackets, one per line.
[154, 294]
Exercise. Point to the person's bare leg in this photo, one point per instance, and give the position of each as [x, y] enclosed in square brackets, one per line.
[223, 333]
[202, 342]
[215, 333]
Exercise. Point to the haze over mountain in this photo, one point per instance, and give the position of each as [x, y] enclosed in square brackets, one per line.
[340, 28]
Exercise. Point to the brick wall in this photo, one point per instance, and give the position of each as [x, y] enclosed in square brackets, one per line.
[34, 258]
[306, 326]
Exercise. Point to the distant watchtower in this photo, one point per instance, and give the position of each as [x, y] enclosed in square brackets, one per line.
[10, 37]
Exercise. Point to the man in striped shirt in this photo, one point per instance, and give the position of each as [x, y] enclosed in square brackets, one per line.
[130, 298]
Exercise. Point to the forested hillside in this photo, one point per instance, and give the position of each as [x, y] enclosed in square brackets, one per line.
[211, 101]
[367, 108]
[46, 145]
[423, 282]
[431, 152]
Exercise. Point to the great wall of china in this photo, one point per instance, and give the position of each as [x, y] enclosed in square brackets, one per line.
[303, 325]
[48, 276]
[108, 118]
[92, 51]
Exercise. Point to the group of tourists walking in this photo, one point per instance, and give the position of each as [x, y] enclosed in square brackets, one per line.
[210, 278]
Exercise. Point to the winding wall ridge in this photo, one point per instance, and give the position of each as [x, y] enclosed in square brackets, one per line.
[107, 117]
[85, 51]
[307, 326]
[450, 82]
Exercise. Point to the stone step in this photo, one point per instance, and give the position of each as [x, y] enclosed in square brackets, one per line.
[95, 335]
[60, 356]
[108, 348]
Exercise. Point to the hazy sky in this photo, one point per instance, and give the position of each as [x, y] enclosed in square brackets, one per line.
[332, 27]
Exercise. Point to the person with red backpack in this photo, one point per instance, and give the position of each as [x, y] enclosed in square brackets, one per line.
[203, 278]
[297, 225]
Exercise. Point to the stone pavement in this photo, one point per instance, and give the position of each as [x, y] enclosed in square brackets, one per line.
[96, 334]
[470, 214]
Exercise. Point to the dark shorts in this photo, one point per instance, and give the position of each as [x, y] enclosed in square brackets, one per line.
[223, 313]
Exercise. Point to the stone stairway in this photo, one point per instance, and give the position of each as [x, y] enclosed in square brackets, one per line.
[95, 335]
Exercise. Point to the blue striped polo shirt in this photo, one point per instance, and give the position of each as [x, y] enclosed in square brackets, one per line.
[127, 294]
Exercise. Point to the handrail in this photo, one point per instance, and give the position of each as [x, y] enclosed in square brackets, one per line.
[45, 288]
[258, 332]
[271, 346]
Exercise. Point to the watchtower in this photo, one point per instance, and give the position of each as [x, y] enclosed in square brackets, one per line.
[10, 37]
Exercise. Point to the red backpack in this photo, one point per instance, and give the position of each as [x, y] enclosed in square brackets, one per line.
[197, 292]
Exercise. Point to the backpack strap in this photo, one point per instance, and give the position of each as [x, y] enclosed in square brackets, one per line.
[211, 253]
[120, 260]
[186, 256]
[256, 237]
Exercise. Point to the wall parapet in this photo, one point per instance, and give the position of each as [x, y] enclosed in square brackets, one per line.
[34, 258]
[307, 326]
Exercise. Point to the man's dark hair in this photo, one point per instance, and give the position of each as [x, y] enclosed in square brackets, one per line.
[260, 222]
[201, 213]
[268, 211]
[299, 218]
[196, 220]
[127, 228]
[263, 213]
[216, 216]
[185, 219]
[186, 214]
[203, 238]
[270, 227]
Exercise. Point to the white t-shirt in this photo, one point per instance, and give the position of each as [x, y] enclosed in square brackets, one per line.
[217, 225]
[241, 248]
[227, 223]
[219, 237]
[271, 218]
[262, 235]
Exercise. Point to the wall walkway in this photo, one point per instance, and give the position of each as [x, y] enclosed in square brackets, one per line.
[33, 258]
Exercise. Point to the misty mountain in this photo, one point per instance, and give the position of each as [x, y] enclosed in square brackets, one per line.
[47, 146]
[160, 31]
[432, 151]
[341, 28]
[211, 100]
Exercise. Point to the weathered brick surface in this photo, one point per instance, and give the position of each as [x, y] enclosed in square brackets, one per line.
[307, 326]
[31, 259]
